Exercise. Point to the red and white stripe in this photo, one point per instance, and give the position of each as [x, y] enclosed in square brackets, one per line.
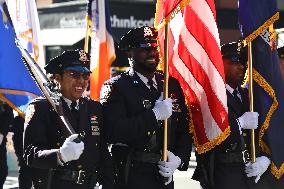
[195, 60]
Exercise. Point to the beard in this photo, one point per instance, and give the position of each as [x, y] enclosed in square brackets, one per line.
[144, 67]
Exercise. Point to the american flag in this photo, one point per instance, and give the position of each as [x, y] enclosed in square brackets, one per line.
[195, 60]
[102, 45]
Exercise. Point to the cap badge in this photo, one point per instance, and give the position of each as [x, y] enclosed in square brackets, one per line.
[83, 56]
[147, 32]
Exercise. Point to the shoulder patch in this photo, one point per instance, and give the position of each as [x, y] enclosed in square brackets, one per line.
[105, 92]
[29, 113]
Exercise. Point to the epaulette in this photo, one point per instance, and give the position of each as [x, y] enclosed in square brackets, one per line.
[106, 91]
[113, 79]
[38, 99]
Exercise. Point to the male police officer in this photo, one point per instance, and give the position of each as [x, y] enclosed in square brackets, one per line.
[57, 161]
[133, 111]
[224, 167]
[281, 57]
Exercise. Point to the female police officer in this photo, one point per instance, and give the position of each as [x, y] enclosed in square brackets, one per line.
[58, 161]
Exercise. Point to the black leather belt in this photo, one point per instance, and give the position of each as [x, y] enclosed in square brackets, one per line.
[79, 177]
[146, 157]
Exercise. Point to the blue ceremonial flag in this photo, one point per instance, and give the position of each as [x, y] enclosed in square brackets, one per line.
[17, 87]
[268, 86]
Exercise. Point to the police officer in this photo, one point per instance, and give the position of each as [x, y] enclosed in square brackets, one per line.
[281, 57]
[133, 113]
[6, 118]
[224, 167]
[56, 159]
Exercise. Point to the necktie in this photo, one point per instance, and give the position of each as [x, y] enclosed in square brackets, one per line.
[237, 99]
[151, 84]
[73, 106]
[75, 113]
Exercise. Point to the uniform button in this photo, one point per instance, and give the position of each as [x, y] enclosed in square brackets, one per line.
[149, 133]
[97, 144]
[58, 144]
[154, 132]
[177, 119]
[244, 134]
[145, 150]
[121, 163]
[79, 166]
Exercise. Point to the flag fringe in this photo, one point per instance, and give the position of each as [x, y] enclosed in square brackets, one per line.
[277, 172]
[259, 30]
[159, 25]
[203, 148]
[269, 90]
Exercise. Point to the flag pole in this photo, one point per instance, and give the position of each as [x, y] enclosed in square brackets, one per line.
[165, 94]
[86, 45]
[250, 82]
[88, 26]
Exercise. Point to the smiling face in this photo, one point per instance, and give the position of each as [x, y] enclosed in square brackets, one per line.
[234, 72]
[72, 84]
[145, 60]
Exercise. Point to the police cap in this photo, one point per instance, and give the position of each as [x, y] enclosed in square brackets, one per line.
[281, 52]
[234, 52]
[74, 60]
[143, 37]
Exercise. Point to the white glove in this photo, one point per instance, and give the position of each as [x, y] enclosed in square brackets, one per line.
[71, 150]
[163, 108]
[249, 120]
[1, 138]
[167, 168]
[257, 168]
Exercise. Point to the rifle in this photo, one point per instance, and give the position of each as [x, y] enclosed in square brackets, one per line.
[49, 90]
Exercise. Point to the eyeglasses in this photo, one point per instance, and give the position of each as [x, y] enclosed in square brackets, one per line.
[77, 75]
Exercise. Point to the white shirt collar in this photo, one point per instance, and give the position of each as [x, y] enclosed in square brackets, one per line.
[145, 80]
[68, 102]
[229, 88]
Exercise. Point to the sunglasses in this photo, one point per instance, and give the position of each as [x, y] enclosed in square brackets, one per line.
[236, 59]
[77, 75]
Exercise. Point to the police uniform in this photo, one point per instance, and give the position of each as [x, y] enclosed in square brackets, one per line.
[6, 118]
[224, 166]
[44, 133]
[132, 128]
[281, 56]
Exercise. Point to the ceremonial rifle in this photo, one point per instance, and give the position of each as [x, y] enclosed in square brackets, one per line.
[48, 88]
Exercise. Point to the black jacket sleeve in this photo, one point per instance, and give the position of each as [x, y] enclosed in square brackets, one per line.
[37, 148]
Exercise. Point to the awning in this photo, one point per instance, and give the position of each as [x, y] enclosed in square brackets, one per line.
[62, 37]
